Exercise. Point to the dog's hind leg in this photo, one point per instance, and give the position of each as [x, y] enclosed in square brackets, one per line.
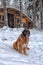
[15, 46]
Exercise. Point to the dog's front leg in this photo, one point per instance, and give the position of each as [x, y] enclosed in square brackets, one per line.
[20, 47]
[25, 49]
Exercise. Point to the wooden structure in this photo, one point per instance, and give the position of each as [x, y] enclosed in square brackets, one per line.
[14, 18]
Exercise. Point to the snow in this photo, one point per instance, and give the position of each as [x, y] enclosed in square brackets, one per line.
[8, 56]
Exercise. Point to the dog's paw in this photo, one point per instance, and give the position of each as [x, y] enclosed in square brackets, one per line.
[26, 54]
[28, 48]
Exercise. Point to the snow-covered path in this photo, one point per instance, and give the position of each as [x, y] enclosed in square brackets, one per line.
[8, 56]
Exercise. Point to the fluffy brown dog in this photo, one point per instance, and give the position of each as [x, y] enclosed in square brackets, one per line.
[22, 42]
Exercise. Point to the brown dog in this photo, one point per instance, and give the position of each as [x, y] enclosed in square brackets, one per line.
[22, 42]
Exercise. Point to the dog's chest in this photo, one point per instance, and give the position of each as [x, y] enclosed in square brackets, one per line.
[24, 45]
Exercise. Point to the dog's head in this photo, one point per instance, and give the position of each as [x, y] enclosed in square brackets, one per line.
[26, 33]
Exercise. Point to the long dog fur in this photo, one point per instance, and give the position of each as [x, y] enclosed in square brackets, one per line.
[22, 42]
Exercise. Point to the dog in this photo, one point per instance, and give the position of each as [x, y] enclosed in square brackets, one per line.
[22, 42]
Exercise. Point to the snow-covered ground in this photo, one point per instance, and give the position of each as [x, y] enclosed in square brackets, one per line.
[8, 56]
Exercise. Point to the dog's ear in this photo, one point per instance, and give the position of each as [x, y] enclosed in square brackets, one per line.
[24, 33]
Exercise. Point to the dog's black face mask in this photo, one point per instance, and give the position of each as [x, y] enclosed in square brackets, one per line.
[26, 33]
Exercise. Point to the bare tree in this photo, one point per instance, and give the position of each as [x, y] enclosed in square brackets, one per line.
[34, 12]
[21, 23]
[5, 13]
[41, 13]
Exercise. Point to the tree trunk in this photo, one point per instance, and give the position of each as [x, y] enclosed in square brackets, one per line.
[41, 13]
[34, 13]
[5, 13]
[21, 24]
